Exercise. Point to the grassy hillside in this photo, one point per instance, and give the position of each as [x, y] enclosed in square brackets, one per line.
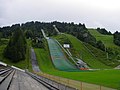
[102, 56]
[44, 60]
[108, 42]
[106, 39]
[79, 50]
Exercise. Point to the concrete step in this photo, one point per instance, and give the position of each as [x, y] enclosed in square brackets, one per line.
[22, 81]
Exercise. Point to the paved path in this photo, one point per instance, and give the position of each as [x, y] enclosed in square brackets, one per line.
[35, 65]
[22, 81]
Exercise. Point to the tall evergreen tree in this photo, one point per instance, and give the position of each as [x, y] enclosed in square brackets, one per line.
[117, 38]
[16, 47]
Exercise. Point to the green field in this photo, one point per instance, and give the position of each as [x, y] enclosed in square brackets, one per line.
[109, 78]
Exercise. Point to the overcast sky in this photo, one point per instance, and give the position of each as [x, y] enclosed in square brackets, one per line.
[94, 13]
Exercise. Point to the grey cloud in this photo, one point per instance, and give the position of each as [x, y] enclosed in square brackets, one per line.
[18, 11]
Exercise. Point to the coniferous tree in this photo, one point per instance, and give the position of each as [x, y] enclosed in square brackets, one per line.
[16, 47]
[117, 38]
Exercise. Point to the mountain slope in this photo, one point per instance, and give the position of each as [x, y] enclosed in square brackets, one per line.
[106, 39]
[79, 50]
[112, 49]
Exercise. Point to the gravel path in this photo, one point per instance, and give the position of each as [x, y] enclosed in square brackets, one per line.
[35, 65]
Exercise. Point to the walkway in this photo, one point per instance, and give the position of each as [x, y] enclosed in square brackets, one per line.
[35, 65]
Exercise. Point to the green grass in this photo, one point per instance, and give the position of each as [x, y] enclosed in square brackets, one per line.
[108, 78]
[43, 58]
[106, 39]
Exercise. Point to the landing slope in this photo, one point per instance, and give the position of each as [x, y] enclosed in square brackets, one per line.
[58, 57]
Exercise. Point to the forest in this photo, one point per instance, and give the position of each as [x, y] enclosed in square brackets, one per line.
[18, 33]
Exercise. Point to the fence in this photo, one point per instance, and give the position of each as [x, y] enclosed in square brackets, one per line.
[74, 84]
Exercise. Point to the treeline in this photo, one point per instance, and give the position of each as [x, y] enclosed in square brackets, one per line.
[117, 38]
[33, 30]
[104, 31]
